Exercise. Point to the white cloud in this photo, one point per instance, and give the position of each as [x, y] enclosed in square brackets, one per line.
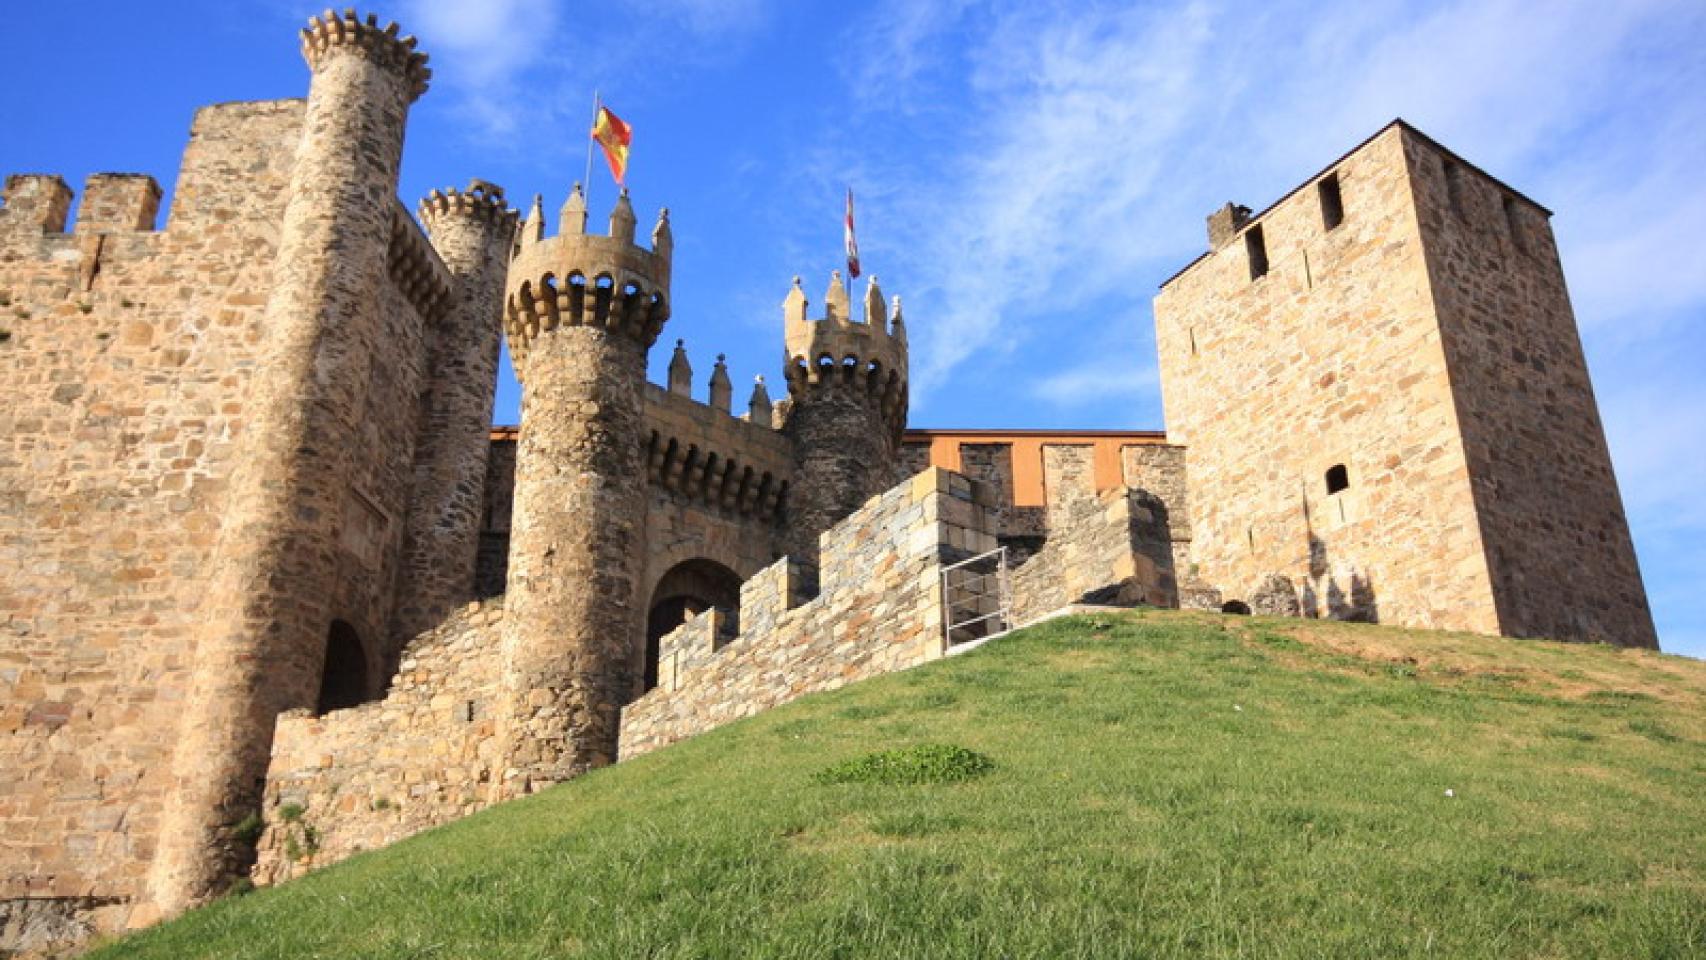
[480, 48]
[1116, 378]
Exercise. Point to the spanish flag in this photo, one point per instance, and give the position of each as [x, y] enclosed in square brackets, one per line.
[614, 136]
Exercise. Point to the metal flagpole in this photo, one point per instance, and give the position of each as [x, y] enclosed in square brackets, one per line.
[596, 105]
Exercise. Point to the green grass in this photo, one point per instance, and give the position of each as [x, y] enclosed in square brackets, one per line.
[1163, 785]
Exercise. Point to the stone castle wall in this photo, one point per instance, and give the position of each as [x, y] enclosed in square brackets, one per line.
[123, 383]
[1557, 540]
[371, 775]
[879, 609]
[1103, 546]
[1329, 358]
[129, 358]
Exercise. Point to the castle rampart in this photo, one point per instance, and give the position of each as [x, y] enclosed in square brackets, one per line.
[878, 609]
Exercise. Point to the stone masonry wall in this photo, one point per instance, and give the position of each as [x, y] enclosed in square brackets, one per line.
[1563, 564]
[369, 776]
[879, 610]
[1332, 357]
[124, 368]
[1110, 547]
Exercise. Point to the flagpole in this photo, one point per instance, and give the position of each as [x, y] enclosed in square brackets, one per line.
[596, 105]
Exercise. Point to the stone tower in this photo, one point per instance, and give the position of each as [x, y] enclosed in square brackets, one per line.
[473, 231]
[848, 393]
[266, 609]
[1386, 410]
[582, 313]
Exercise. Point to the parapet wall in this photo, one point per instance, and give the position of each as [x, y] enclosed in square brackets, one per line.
[362, 778]
[878, 610]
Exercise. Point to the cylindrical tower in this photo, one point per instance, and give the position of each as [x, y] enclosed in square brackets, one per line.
[582, 312]
[265, 622]
[847, 386]
[473, 231]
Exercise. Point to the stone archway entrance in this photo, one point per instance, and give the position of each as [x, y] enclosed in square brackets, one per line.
[343, 681]
[688, 588]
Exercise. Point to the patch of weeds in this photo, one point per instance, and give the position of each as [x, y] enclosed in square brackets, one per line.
[1402, 669]
[248, 830]
[381, 803]
[291, 812]
[935, 699]
[862, 711]
[126, 303]
[241, 887]
[1278, 641]
[1571, 733]
[104, 335]
[1653, 730]
[1620, 697]
[301, 843]
[85, 307]
[915, 823]
[920, 763]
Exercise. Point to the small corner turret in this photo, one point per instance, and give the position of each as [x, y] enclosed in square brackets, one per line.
[578, 278]
[838, 351]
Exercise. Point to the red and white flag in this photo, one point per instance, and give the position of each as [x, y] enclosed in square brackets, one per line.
[852, 244]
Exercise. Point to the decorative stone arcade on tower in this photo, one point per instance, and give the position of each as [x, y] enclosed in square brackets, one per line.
[582, 311]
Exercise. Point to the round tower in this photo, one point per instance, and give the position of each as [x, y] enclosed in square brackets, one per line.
[848, 397]
[582, 311]
[264, 613]
[473, 231]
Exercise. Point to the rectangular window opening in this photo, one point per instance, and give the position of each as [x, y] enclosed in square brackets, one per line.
[1332, 204]
[1257, 249]
[1454, 187]
[1514, 224]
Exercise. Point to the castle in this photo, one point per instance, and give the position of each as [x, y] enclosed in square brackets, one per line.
[275, 590]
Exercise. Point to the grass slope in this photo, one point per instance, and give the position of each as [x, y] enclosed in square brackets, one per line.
[1167, 784]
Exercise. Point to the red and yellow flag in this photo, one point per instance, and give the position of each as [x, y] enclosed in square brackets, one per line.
[613, 136]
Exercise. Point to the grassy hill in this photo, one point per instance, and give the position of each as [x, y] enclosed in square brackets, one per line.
[1165, 785]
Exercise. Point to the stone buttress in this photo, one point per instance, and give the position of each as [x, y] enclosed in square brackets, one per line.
[473, 231]
[264, 615]
[847, 383]
[582, 312]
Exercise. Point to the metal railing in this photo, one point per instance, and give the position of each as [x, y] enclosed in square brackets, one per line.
[977, 598]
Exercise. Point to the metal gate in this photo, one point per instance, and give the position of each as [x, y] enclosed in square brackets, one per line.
[977, 598]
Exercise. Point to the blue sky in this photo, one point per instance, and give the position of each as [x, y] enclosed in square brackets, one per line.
[1027, 171]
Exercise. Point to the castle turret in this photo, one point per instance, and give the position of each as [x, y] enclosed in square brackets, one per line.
[582, 312]
[847, 384]
[473, 231]
[265, 608]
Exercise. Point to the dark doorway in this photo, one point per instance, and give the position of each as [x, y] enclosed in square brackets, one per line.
[689, 588]
[343, 682]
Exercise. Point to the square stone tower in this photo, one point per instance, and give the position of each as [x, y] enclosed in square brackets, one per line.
[1386, 410]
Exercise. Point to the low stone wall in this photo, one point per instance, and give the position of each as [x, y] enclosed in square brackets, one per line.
[1112, 548]
[362, 778]
[878, 609]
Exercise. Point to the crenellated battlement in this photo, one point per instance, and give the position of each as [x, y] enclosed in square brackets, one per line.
[112, 203]
[581, 279]
[481, 201]
[332, 32]
[837, 351]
